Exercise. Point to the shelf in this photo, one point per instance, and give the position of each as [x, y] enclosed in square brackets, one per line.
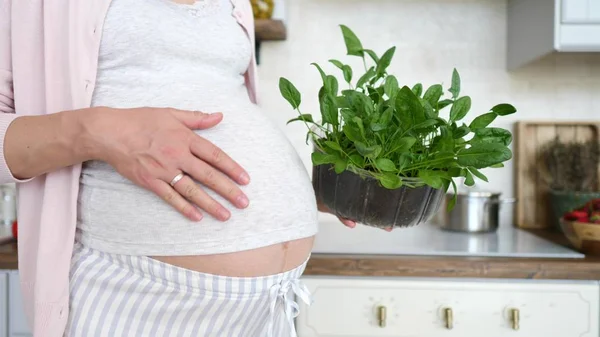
[269, 30]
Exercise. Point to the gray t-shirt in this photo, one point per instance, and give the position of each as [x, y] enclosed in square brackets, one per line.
[160, 54]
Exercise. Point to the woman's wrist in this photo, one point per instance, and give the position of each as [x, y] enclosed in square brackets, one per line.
[82, 134]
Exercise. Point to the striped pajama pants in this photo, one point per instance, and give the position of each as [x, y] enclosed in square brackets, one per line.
[130, 296]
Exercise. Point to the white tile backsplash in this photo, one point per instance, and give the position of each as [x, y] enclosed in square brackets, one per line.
[432, 37]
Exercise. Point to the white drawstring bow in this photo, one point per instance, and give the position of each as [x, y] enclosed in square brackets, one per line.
[290, 306]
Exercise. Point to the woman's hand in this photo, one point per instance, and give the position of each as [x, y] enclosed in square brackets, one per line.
[151, 146]
[347, 222]
[323, 208]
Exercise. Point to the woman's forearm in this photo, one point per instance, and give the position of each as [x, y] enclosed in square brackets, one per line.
[35, 145]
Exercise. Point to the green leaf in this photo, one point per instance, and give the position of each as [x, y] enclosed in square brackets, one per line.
[340, 165]
[333, 145]
[372, 54]
[455, 172]
[503, 109]
[366, 77]
[357, 160]
[373, 94]
[444, 159]
[385, 165]
[319, 158]
[478, 174]
[368, 151]
[337, 63]
[433, 94]
[460, 108]
[482, 121]
[323, 75]
[386, 116]
[403, 161]
[375, 127]
[402, 144]
[452, 201]
[499, 165]
[353, 45]
[444, 103]
[347, 73]
[385, 60]
[367, 104]
[492, 135]
[390, 87]
[432, 178]
[455, 87]
[461, 131]
[360, 125]
[469, 181]
[304, 117]
[329, 112]
[390, 181]
[342, 102]
[331, 84]
[417, 89]
[352, 133]
[289, 92]
[429, 112]
[483, 155]
[444, 142]
[409, 108]
[426, 124]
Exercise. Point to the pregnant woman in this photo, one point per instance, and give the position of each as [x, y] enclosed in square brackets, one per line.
[155, 198]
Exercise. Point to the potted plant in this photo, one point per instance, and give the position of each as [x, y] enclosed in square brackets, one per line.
[385, 154]
[570, 171]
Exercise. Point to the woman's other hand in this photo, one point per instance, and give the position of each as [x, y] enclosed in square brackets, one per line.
[152, 146]
[347, 222]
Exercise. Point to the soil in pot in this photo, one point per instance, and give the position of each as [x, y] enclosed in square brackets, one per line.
[363, 200]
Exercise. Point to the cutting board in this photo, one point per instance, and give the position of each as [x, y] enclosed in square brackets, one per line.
[530, 136]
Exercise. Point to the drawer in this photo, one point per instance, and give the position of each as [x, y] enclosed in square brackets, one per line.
[350, 307]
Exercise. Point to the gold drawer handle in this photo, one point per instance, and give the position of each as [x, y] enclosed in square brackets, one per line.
[515, 318]
[382, 315]
[449, 318]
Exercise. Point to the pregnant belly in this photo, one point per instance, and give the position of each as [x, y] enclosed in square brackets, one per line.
[274, 234]
[263, 261]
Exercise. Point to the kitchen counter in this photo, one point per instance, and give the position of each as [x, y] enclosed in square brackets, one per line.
[460, 257]
[427, 240]
[427, 251]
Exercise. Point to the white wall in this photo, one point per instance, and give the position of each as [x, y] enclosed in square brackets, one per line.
[432, 37]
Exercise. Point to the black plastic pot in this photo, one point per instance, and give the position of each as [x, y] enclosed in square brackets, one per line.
[363, 200]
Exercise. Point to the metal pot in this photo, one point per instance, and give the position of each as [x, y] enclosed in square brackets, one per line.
[473, 212]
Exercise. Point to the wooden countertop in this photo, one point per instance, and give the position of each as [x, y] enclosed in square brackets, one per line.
[429, 266]
[8, 256]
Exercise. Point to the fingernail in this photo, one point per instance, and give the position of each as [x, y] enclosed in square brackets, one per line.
[197, 216]
[223, 214]
[242, 201]
[244, 178]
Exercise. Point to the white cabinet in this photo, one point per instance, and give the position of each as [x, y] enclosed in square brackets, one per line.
[536, 28]
[13, 322]
[3, 305]
[368, 307]
[580, 11]
[17, 326]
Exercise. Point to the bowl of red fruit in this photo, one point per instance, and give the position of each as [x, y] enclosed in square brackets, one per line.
[582, 227]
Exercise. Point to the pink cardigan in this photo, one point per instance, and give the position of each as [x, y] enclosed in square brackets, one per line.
[48, 60]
